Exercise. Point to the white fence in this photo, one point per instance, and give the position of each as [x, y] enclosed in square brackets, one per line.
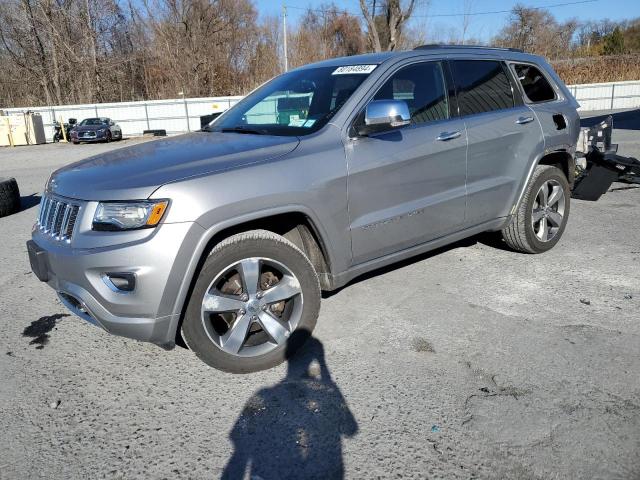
[183, 115]
[607, 96]
[174, 116]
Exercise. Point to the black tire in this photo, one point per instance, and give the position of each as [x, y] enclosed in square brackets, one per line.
[520, 234]
[9, 196]
[109, 138]
[76, 143]
[255, 243]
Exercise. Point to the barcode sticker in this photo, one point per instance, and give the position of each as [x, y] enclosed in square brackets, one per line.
[348, 69]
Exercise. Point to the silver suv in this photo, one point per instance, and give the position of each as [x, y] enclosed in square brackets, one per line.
[224, 238]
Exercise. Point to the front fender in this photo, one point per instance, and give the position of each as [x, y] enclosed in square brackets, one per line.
[199, 243]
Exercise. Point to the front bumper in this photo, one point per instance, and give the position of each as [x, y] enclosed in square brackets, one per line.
[99, 137]
[89, 139]
[159, 262]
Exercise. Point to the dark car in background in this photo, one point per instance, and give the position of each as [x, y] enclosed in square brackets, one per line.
[96, 130]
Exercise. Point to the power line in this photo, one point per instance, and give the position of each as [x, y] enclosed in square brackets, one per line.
[509, 11]
[494, 12]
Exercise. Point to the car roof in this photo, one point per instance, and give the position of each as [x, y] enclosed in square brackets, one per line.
[364, 59]
[435, 50]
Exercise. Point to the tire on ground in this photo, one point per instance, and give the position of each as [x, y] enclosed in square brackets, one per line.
[255, 243]
[9, 196]
[519, 234]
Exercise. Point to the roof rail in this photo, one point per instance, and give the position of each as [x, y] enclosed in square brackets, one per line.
[434, 46]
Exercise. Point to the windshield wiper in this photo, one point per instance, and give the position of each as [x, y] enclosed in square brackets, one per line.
[241, 129]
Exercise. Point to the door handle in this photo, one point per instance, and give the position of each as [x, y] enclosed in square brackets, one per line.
[523, 120]
[444, 136]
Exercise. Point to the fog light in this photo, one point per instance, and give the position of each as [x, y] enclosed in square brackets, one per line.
[120, 281]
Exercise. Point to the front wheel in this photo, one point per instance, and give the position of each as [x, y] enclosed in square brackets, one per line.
[542, 214]
[254, 290]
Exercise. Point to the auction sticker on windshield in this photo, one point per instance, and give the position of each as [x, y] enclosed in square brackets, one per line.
[350, 69]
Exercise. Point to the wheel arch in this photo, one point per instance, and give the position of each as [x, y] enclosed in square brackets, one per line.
[559, 157]
[563, 160]
[295, 224]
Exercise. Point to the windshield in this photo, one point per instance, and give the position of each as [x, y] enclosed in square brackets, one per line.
[93, 121]
[296, 103]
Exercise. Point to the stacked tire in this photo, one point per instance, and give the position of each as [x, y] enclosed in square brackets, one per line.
[9, 196]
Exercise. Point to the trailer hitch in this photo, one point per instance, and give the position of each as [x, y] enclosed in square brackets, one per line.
[601, 165]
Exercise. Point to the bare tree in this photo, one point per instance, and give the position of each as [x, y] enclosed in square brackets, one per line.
[324, 33]
[81, 51]
[536, 31]
[466, 19]
[384, 30]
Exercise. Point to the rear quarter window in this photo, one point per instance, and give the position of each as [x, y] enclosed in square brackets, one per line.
[482, 85]
[535, 85]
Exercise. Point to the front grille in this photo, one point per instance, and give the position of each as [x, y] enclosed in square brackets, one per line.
[57, 218]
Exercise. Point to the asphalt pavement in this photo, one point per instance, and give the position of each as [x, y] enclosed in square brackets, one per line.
[469, 362]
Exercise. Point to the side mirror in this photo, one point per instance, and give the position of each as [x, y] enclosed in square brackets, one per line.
[382, 115]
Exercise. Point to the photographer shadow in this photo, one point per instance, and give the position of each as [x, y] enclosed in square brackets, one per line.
[293, 429]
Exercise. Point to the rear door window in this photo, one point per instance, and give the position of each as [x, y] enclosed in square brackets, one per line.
[422, 86]
[482, 85]
[536, 87]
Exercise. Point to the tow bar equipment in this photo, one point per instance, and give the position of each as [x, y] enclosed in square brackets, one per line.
[601, 165]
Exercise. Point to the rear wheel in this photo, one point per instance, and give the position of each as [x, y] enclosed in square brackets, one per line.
[542, 214]
[254, 290]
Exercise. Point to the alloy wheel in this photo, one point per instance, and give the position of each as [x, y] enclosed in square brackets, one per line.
[547, 215]
[252, 307]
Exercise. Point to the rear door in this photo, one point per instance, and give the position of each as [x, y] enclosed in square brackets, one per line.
[407, 186]
[502, 132]
[548, 103]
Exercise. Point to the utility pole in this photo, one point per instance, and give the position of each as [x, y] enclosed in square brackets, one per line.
[186, 109]
[284, 32]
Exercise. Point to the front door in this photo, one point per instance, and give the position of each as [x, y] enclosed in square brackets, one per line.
[407, 186]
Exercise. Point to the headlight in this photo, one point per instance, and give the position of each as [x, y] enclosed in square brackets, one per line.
[128, 215]
[102, 130]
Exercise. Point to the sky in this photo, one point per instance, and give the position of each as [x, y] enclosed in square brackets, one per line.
[430, 14]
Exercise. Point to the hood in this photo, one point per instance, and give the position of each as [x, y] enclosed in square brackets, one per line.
[135, 172]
